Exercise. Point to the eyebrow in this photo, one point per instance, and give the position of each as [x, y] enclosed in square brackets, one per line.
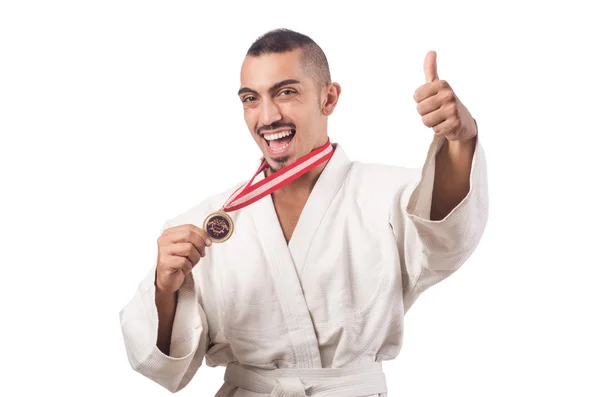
[274, 87]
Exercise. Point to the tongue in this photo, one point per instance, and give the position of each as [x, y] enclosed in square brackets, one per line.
[281, 142]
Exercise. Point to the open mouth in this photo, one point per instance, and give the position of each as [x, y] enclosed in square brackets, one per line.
[279, 141]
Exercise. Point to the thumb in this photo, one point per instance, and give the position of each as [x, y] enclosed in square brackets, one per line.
[430, 67]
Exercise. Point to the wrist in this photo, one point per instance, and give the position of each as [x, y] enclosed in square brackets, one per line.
[460, 147]
[162, 292]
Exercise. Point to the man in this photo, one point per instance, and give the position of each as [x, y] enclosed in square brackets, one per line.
[298, 279]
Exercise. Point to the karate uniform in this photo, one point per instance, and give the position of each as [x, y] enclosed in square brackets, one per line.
[315, 317]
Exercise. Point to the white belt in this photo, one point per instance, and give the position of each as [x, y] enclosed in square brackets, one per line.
[361, 380]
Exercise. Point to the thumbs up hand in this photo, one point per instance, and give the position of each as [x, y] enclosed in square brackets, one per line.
[440, 108]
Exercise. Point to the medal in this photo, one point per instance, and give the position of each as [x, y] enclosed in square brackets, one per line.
[219, 225]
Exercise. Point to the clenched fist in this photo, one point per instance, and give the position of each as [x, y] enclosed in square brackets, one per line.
[440, 108]
[179, 250]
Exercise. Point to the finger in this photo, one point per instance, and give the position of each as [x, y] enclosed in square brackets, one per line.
[447, 127]
[425, 91]
[429, 105]
[428, 90]
[430, 67]
[189, 227]
[190, 234]
[181, 263]
[187, 250]
[434, 118]
[175, 263]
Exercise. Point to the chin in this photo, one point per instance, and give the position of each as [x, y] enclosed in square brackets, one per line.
[277, 163]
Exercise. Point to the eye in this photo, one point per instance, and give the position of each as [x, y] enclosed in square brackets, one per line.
[287, 91]
[249, 98]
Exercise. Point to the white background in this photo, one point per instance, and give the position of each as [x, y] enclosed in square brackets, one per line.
[113, 117]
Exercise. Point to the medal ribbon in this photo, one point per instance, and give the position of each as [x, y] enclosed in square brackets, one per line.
[248, 193]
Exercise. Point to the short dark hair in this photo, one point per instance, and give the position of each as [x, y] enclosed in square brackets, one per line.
[283, 40]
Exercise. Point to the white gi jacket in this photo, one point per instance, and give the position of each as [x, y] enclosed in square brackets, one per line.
[315, 317]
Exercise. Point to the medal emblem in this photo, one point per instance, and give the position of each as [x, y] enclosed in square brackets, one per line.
[218, 226]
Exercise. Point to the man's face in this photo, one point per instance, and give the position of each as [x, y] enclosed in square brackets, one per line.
[282, 107]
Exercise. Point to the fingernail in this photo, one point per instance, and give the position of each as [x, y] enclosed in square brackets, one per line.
[208, 242]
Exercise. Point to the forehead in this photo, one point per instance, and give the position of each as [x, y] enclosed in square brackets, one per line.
[261, 72]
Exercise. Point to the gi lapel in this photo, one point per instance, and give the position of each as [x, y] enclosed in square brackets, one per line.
[324, 191]
[287, 284]
[286, 261]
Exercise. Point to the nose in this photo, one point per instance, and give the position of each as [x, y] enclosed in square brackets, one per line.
[269, 112]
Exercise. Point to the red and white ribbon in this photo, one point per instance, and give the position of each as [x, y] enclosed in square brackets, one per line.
[248, 193]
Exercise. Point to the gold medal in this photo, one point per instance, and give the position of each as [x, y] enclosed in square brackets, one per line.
[219, 226]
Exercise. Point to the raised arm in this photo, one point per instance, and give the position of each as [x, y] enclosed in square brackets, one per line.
[439, 220]
[432, 249]
[441, 110]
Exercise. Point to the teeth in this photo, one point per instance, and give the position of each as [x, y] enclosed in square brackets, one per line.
[279, 135]
[281, 149]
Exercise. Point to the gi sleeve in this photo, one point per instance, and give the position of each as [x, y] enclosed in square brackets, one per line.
[189, 338]
[432, 250]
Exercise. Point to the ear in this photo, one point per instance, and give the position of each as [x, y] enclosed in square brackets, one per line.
[330, 100]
